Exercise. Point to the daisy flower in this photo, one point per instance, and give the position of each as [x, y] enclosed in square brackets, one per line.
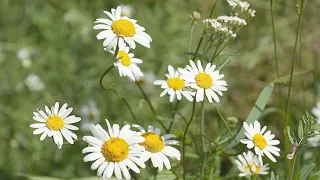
[206, 81]
[249, 160]
[127, 64]
[316, 111]
[175, 86]
[121, 30]
[115, 151]
[55, 123]
[158, 147]
[90, 115]
[263, 143]
[314, 141]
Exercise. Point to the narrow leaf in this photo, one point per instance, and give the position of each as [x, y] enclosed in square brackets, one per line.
[291, 136]
[306, 171]
[256, 110]
[300, 130]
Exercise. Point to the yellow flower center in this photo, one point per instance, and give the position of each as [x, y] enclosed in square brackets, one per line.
[123, 27]
[153, 142]
[115, 149]
[124, 58]
[254, 168]
[55, 122]
[91, 116]
[175, 83]
[259, 141]
[204, 80]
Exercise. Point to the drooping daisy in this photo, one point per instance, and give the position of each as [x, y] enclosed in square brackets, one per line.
[314, 141]
[121, 30]
[175, 86]
[316, 111]
[158, 147]
[146, 82]
[263, 143]
[115, 151]
[90, 115]
[56, 123]
[207, 82]
[127, 64]
[249, 160]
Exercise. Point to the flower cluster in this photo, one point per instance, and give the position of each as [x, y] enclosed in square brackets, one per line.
[248, 164]
[240, 8]
[225, 28]
[193, 80]
[120, 34]
[261, 141]
[114, 151]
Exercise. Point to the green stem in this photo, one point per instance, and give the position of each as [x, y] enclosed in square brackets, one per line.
[292, 66]
[203, 139]
[190, 40]
[184, 140]
[293, 165]
[203, 33]
[173, 117]
[151, 106]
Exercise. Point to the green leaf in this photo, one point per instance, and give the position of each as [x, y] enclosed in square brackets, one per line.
[291, 136]
[165, 175]
[285, 79]
[315, 176]
[35, 177]
[256, 110]
[91, 178]
[306, 171]
[300, 130]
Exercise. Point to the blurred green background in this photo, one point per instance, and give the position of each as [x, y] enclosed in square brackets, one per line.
[54, 40]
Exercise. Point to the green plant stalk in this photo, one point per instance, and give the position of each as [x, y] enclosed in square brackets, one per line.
[190, 40]
[151, 106]
[291, 78]
[184, 140]
[293, 165]
[203, 140]
[286, 143]
[233, 137]
[173, 117]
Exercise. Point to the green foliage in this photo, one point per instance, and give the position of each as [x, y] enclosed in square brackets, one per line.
[306, 171]
[308, 126]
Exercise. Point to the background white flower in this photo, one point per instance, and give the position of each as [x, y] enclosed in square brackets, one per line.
[34, 83]
[55, 123]
[206, 81]
[316, 111]
[126, 10]
[249, 160]
[175, 86]
[90, 115]
[262, 142]
[314, 141]
[158, 148]
[121, 30]
[115, 151]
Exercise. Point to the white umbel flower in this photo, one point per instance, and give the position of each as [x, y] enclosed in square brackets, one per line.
[157, 147]
[249, 160]
[127, 64]
[262, 142]
[90, 115]
[115, 151]
[207, 82]
[175, 86]
[314, 141]
[56, 123]
[34, 83]
[121, 30]
[316, 111]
